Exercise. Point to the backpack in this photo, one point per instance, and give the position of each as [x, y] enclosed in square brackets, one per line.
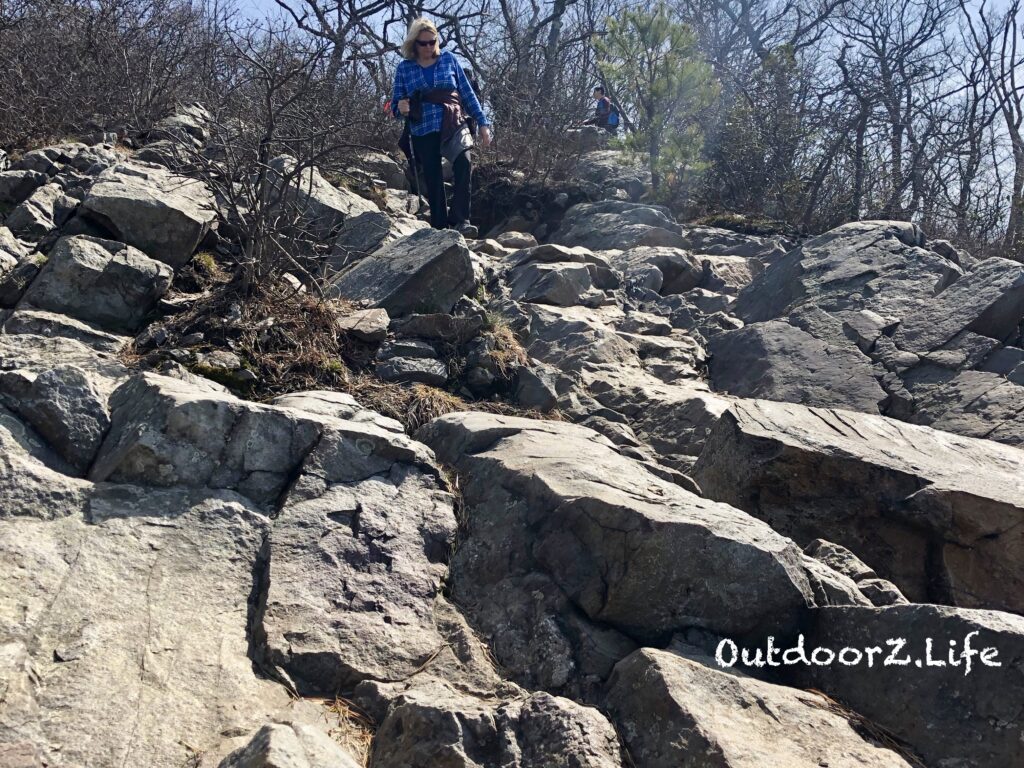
[613, 116]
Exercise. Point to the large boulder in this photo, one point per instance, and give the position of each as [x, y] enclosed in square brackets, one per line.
[289, 745]
[778, 361]
[123, 638]
[437, 725]
[160, 213]
[356, 559]
[716, 241]
[99, 281]
[47, 209]
[555, 511]
[428, 271]
[17, 186]
[364, 233]
[939, 515]
[317, 207]
[677, 712]
[680, 271]
[927, 696]
[611, 224]
[63, 405]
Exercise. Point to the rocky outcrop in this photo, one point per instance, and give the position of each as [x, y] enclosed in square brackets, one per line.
[927, 697]
[295, 745]
[878, 292]
[566, 565]
[98, 281]
[162, 214]
[618, 224]
[677, 712]
[909, 501]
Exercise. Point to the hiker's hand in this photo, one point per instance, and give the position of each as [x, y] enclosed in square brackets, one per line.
[403, 106]
[485, 136]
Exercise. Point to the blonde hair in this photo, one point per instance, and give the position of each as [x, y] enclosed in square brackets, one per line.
[417, 26]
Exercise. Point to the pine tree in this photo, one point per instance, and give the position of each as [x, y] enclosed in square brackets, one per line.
[652, 66]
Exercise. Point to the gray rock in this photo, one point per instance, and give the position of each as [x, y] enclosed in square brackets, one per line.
[189, 124]
[946, 715]
[725, 242]
[406, 348]
[63, 406]
[878, 591]
[988, 300]
[777, 361]
[366, 232]
[729, 274]
[320, 207]
[369, 325]
[968, 403]
[425, 272]
[35, 481]
[676, 712]
[378, 165]
[356, 559]
[910, 501]
[537, 386]
[68, 157]
[561, 284]
[516, 240]
[555, 504]
[17, 186]
[617, 224]
[50, 325]
[337, 405]
[167, 432]
[437, 725]
[289, 745]
[439, 327]
[680, 270]
[99, 281]
[46, 210]
[124, 638]
[423, 370]
[610, 169]
[160, 213]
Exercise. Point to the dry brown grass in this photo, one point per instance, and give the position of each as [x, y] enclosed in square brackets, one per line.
[350, 727]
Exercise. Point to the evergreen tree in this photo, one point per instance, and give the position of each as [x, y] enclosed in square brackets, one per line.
[654, 71]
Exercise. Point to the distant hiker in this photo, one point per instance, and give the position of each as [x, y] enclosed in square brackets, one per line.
[605, 114]
[431, 90]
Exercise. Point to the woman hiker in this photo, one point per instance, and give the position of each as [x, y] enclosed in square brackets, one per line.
[432, 91]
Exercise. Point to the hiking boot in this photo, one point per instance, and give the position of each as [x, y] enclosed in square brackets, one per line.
[466, 229]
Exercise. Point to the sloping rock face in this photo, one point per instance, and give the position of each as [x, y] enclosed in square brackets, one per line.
[677, 712]
[551, 537]
[928, 697]
[880, 302]
[146, 595]
[938, 515]
[162, 214]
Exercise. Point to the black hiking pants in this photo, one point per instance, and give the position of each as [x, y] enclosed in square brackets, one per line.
[428, 153]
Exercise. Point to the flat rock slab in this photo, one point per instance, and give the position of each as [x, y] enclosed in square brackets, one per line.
[161, 213]
[123, 639]
[937, 514]
[557, 504]
[676, 712]
[948, 715]
[428, 271]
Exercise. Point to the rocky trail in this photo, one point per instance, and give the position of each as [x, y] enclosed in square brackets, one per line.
[735, 440]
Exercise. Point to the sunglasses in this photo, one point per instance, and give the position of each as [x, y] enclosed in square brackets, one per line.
[426, 42]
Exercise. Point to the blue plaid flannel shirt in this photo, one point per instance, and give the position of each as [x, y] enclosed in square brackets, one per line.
[445, 72]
